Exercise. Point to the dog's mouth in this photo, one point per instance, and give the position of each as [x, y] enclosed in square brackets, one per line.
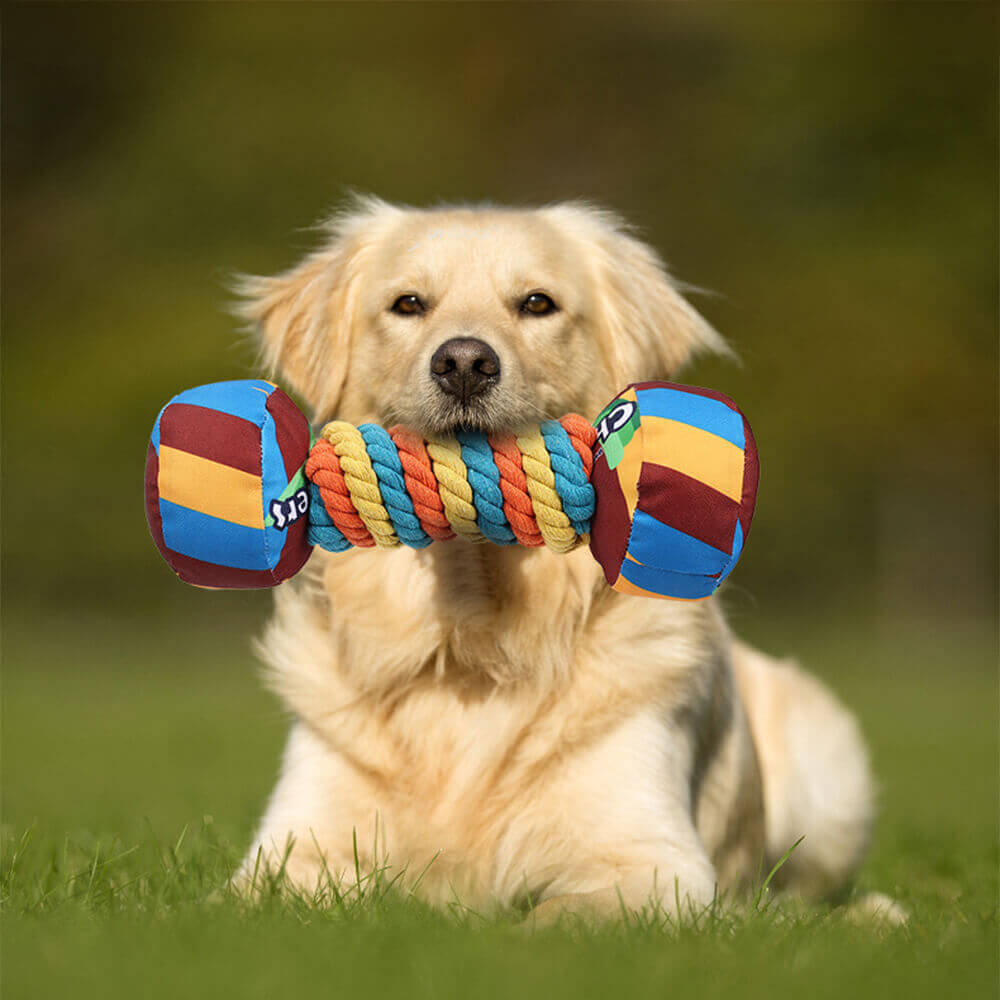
[491, 413]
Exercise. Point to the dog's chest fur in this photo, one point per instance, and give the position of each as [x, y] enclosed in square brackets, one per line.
[473, 706]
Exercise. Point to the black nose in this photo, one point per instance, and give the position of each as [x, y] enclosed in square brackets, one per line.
[465, 367]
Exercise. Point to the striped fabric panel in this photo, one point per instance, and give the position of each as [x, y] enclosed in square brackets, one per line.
[291, 431]
[209, 469]
[666, 583]
[706, 412]
[212, 539]
[656, 544]
[695, 452]
[610, 525]
[242, 398]
[215, 576]
[212, 434]
[210, 488]
[688, 505]
[694, 390]
[751, 480]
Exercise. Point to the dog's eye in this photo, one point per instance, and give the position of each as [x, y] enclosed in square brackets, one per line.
[538, 304]
[408, 305]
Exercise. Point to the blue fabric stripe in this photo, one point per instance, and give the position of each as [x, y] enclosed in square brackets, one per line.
[155, 436]
[737, 549]
[273, 481]
[668, 583]
[699, 411]
[572, 485]
[322, 531]
[389, 473]
[244, 398]
[211, 539]
[484, 478]
[654, 543]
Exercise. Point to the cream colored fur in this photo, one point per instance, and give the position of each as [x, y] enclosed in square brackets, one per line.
[497, 719]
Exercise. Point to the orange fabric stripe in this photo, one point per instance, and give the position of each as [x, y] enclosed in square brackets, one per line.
[211, 487]
[697, 453]
[624, 586]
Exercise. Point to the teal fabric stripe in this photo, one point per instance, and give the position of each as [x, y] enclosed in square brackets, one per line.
[572, 484]
[484, 478]
[274, 479]
[737, 551]
[244, 398]
[689, 408]
[211, 539]
[389, 472]
[668, 583]
[654, 543]
[155, 436]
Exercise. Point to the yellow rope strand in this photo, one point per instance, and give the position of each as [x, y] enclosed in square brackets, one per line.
[453, 483]
[361, 481]
[557, 532]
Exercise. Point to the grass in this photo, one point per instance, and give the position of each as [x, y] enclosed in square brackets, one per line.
[136, 761]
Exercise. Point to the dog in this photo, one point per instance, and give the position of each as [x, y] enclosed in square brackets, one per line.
[494, 725]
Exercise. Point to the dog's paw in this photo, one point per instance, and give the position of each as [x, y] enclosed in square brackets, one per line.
[875, 909]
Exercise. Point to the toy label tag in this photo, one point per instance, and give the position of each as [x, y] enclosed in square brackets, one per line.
[615, 428]
[288, 511]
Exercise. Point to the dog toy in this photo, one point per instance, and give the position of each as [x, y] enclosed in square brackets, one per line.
[663, 486]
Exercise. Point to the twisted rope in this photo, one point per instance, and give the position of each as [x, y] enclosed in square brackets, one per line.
[361, 480]
[553, 523]
[514, 487]
[418, 474]
[322, 531]
[484, 478]
[571, 483]
[453, 482]
[392, 485]
[372, 487]
[323, 470]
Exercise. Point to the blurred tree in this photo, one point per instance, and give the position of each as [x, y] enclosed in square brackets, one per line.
[828, 169]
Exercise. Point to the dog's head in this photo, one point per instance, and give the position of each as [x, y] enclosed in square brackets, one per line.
[478, 317]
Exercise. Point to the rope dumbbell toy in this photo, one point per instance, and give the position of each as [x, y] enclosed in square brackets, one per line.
[662, 485]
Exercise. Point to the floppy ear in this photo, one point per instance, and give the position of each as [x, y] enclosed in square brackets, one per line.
[650, 330]
[303, 318]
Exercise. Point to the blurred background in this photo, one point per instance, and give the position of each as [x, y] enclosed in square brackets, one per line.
[827, 172]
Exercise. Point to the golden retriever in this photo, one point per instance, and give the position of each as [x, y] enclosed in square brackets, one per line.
[495, 725]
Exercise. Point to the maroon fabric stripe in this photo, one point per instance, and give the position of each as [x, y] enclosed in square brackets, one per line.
[295, 553]
[695, 390]
[751, 479]
[610, 527]
[292, 430]
[212, 434]
[688, 505]
[151, 494]
[206, 574]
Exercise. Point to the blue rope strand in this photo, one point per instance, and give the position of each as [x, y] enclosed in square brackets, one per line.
[572, 485]
[389, 472]
[484, 478]
[322, 531]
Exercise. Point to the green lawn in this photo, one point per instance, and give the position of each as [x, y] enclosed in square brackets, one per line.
[135, 761]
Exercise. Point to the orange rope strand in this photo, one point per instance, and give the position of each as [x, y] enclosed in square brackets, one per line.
[517, 504]
[323, 468]
[421, 484]
[583, 437]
